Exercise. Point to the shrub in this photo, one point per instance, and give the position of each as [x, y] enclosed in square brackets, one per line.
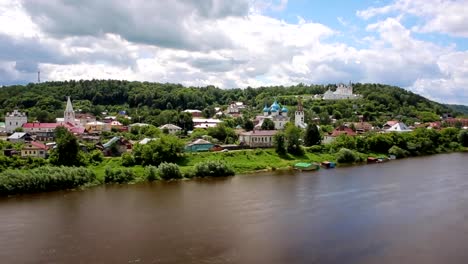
[315, 149]
[151, 173]
[44, 179]
[169, 171]
[96, 156]
[398, 152]
[346, 156]
[118, 175]
[213, 168]
[463, 138]
[128, 160]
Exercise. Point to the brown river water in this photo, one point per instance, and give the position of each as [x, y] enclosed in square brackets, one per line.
[405, 211]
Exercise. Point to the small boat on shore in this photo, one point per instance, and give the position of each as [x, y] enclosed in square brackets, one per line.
[328, 164]
[306, 166]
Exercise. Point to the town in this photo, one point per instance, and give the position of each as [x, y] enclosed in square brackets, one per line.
[226, 128]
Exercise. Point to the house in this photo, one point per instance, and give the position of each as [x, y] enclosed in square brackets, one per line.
[14, 120]
[389, 124]
[257, 138]
[361, 127]
[134, 125]
[456, 121]
[145, 141]
[398, 127]
[172, 129]
[205, 122]
[235, 108]
[19, 137]
[194, 112]
[85, 118]
[199, 145]
[34, 149]
[97, 127]
[116, 146]
[338, 131]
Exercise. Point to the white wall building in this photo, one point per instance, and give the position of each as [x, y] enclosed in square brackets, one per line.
[342, 92]
[14, 120]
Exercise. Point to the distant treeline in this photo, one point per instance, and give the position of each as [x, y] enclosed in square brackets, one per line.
[144, 101]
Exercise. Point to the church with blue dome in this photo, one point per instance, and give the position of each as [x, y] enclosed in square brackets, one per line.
[277, 114]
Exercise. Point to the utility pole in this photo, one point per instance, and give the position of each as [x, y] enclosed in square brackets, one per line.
[38, 76]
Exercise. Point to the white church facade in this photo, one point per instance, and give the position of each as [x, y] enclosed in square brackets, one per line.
[342, 92]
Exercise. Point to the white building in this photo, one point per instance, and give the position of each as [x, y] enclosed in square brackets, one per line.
[173, 129]
[69, 115]
[342, 92]
[398, 127]
[275, 113]
[235, 108]
[299, 115]
[14, 120]
[257, 138]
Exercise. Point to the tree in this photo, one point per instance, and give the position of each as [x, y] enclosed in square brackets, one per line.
[166, 148]
[19, 129]
[293, 137]
[463, 138]
[248, 125]
[279, 142]
[312, 135]
[67, 151]
[268, 124]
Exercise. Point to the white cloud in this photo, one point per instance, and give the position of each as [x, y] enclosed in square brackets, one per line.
[443, 16]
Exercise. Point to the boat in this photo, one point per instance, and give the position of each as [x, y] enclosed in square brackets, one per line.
[372, 160]
[328, 164]
[306, 166]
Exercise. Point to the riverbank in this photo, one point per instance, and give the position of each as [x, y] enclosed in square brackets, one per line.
[241, 161]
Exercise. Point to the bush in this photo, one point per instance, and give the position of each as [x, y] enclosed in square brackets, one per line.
[346, 156]
[213, 168]
[167, 171]
[463, 138]
[151, 173]
[128, 160]
[44, 179]
[398, 152]
[315, 149]
[96, 156]
[118, 175]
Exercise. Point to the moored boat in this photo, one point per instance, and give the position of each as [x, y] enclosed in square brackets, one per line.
[306, 166]
[328, 164]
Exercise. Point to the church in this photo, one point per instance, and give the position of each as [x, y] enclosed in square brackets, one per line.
[342, 92]
[279, 116]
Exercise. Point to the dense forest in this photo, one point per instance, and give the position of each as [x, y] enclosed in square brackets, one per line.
[158, 103]
[459, 108]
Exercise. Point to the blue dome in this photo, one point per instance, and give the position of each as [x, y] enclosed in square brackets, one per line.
[274, 110]
[275, 105]
[265, 109]
[284, 110]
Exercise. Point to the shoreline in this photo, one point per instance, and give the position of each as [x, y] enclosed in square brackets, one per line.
[240, 171]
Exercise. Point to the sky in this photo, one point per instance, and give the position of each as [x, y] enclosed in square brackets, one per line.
[419, 45]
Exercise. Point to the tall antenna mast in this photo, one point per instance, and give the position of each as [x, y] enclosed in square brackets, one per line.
[38, 76]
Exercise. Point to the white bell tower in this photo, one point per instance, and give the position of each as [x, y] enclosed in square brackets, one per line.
[69, 114]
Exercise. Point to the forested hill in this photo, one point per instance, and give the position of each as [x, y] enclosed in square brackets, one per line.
[46, 100]
[459, 108]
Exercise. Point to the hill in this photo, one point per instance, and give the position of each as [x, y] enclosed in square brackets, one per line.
[159, 103]
[463, 109]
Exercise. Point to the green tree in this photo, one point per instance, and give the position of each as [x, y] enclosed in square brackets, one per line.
[248, 125]
[293, 139]
[67, 151]
[268, 124]
[463, 138]
[166, 148]
[312, 135]
[279, 141]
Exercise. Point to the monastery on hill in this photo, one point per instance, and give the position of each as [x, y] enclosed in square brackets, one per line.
[342, 92]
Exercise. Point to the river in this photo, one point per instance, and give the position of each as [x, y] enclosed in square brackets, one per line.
[404, 211]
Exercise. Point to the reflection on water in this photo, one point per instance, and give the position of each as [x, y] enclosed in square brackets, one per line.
[406, 211]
